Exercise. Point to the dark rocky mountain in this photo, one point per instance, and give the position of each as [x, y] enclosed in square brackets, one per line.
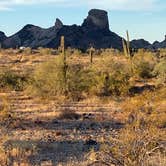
[2, 36]
[157, 44]
[93, 31]
[140, 43]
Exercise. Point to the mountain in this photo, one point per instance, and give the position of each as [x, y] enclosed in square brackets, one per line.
[157, 45]
[140, 43]
[93, 31]
[2, 36]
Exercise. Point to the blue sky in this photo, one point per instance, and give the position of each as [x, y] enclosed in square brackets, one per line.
[143, 18]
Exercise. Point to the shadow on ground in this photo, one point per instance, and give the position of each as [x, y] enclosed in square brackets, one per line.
[39, 152]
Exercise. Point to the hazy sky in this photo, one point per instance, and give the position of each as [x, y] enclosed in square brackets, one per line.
[143, 18]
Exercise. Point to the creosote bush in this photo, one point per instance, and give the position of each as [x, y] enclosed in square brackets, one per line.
[144, 63]
[112, 77]
[105, 78]
[47, 79]
[11, 80]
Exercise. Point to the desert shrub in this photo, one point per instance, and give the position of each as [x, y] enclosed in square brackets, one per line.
[48, 80]
[116, 83]
[27, 51]
[160, 71]
[112, 77]
[45, 51]
[80, 81]
[144, 63]
[11, 80]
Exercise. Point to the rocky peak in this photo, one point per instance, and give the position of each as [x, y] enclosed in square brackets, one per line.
[58, 24]
[2, 36]
[97, 19]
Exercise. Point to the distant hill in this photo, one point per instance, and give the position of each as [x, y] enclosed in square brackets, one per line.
[93, 31]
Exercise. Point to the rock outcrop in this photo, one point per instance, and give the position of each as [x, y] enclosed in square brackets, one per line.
[58, 24]
[97, 19]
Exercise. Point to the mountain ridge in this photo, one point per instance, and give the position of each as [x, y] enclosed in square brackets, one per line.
[93, 31]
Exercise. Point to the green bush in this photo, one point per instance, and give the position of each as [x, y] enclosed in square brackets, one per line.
[48, 80]
[144, 63]
[80, 81]
[112, 77]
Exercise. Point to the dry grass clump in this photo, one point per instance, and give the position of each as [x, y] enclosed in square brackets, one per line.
[160, 72]
[143, 138]
[4, 109]
[4, 115]
[45, 51]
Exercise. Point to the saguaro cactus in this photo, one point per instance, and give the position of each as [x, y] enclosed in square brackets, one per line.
[62, 45]
[126, 49]
[126, 46]
[91, 52]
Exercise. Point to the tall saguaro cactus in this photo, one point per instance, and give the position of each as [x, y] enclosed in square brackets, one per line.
[91, 52]
[126, 46]
[62, 45]
[126, 49]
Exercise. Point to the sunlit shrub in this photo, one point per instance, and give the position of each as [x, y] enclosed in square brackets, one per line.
[144, 63]
[160, 71]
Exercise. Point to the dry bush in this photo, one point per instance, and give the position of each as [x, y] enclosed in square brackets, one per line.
[4, 109]
[160, 71]
[68, 114]
[144, 134]
[13, 81]
[4, 117]
[45, 51]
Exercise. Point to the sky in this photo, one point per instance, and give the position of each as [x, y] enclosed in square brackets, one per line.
[142, 18]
